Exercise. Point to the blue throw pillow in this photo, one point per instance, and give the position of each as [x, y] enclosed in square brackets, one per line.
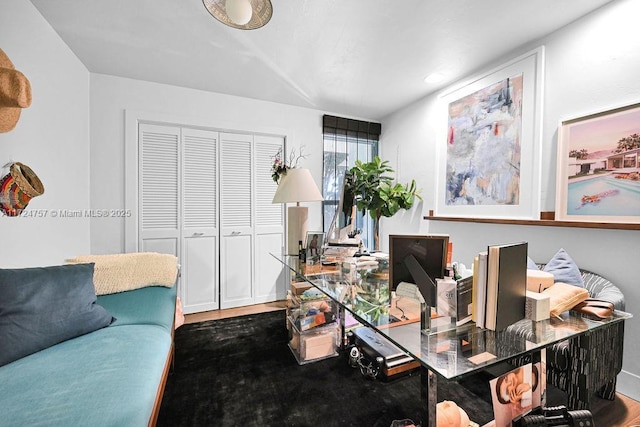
[41, 307]
[531, 264]
[564, 269]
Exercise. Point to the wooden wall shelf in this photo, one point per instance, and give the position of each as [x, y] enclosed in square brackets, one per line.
[547, 220]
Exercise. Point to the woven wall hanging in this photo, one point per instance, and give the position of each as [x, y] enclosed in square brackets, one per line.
[17, 188]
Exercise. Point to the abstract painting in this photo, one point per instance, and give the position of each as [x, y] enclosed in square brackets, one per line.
[598, 176]
[483, 151]
[489, 154]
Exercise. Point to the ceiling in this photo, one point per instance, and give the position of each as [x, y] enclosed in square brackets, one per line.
[359, 58]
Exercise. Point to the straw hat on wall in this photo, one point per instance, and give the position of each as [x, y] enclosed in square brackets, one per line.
[15, 93]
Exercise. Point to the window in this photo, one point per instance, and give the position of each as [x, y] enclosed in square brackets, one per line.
[345, 141]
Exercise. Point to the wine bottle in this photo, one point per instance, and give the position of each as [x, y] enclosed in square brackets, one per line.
[302, 252]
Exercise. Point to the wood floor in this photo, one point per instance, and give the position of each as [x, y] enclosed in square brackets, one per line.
[234, 312]
[622, 412]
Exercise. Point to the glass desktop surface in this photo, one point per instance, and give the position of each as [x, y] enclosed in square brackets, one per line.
[452, 353]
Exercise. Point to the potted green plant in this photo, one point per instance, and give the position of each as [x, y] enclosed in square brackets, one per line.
[376, 192]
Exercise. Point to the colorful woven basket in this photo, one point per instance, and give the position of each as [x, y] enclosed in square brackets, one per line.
[17, 188]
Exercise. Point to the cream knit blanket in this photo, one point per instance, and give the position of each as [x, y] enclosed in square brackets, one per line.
[124, 272]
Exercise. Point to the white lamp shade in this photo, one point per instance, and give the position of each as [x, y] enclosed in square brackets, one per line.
[297, 186]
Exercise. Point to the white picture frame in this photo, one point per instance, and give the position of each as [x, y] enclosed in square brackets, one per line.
[598, 180]
[480, 191]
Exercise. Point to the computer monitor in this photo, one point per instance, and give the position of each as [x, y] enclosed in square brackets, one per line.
[418, 259]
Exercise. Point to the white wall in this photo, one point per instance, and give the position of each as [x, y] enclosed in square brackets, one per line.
[52, 138]
[111, 96]
[591, 66]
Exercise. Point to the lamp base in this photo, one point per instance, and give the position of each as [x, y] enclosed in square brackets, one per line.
[297, 218]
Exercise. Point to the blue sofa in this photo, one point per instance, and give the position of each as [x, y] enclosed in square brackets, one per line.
[113, 376]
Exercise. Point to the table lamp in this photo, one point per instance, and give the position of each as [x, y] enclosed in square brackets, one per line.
[297, 185]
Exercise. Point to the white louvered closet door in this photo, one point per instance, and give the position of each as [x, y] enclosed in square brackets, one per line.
[236, 260]
[205, 196]
[270, 280]
[200, 220]
[158, 181]
[251, 226]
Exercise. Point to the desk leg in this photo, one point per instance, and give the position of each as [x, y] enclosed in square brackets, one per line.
[540, 357]
[429, 397]
[343, 344]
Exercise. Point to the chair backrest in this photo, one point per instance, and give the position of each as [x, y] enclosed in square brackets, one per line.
[601, 288]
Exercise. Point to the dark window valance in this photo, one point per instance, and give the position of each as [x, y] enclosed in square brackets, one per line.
[354, 128]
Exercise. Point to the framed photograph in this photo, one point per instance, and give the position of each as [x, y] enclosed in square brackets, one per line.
[512, 395]
[488, 151]
[315, 240]
[598, 174]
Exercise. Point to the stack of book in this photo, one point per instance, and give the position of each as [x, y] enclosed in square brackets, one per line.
[500, 285]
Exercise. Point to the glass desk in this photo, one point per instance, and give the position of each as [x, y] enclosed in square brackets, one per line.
[451, 354]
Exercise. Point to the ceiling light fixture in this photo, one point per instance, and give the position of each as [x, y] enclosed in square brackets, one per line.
[241, 14]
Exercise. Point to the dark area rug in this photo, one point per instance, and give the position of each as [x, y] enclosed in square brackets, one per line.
[240, 372]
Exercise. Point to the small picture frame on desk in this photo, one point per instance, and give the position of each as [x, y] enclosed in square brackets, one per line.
[315, 240]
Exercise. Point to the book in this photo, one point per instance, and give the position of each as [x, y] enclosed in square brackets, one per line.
[480, 289]
[506, 285]
[474, 289]
[464, 303]
[446, 297]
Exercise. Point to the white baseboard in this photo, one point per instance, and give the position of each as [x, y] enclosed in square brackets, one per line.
[629, 385]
